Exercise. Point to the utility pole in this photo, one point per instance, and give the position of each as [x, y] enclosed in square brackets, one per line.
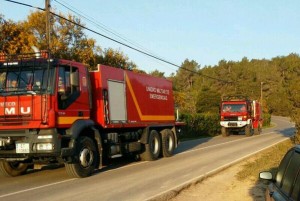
[261, 92]
[47, 9]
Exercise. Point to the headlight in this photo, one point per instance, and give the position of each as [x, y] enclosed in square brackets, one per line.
[45, 146]
[45, 137]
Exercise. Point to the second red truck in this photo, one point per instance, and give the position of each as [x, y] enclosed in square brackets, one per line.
[238, 113]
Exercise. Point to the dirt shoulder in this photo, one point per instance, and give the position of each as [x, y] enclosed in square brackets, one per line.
[225, 186]
[240, 181]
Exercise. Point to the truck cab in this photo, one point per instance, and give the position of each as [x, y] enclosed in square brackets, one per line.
[40, 99]
[238, 113]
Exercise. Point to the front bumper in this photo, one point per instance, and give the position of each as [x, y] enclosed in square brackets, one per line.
[233, 124]
[29, 144]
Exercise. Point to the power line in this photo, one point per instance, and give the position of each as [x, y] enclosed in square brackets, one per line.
[107, 37]
[98, 24]
[119, 42]
[105, 28]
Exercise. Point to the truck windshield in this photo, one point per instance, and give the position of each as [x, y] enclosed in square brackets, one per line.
[25, 79]
[234, 108]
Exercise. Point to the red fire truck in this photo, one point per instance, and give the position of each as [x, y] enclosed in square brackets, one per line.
[238, 113]
[54, 110]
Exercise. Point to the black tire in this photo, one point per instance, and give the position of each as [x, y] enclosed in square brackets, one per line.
[12, 169]
[86, 157]
[167, 143]
[248, 130]
[152, 149]
[224, 131]
[257, 131]
[260, 129]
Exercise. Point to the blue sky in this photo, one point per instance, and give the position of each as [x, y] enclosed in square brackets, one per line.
[175, 30]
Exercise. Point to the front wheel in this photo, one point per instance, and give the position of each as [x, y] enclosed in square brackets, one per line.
[86, 157]
[152, 149]
[248, 130]
[12, 169]
[168, 143]
[225, 132]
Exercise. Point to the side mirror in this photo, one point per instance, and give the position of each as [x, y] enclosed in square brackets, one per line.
[266, 176]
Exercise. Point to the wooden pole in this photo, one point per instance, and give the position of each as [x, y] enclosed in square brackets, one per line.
[47, 9]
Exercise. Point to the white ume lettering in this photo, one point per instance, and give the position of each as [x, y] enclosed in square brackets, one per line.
[158, 93]
[163, 91]
[12, 110]
[151, 89]
[157, 90]
[158, 97]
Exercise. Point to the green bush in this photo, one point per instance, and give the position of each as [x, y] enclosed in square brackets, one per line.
[266, 119]
[207, 124]
[200, 125]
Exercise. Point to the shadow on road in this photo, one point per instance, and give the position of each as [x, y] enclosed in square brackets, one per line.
[188, 145]
[115, 163]
[286, 132]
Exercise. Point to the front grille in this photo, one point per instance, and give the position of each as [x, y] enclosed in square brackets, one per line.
[231, 118]
[21, 132]
[14, 117]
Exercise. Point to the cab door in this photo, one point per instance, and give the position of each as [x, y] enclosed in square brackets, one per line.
[72, 95]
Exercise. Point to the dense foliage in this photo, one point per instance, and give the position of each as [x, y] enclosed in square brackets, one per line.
[200, 125]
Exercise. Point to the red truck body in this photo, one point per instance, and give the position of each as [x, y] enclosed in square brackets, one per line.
[130, 107]
[240, 114]
[60, 112]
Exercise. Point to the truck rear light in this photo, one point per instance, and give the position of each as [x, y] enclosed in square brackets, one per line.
[222, 118]
[44, 146]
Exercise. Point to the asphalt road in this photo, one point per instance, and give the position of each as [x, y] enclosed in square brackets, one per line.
[128, 179]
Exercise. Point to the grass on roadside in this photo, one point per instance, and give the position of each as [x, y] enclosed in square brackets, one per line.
[268, 160]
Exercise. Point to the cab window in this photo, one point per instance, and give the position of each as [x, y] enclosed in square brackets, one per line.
[296, 189]
[67, 89]
[291, 173]
[282, 168]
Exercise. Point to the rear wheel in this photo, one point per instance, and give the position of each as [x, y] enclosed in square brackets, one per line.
[224, 131]
[168, 143]
[12, 169]
[257, 130]
[248, 130]
[152, 149]
[86, 157]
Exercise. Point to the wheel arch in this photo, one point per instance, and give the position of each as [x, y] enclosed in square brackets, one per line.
[86, 128]
[79, 126]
